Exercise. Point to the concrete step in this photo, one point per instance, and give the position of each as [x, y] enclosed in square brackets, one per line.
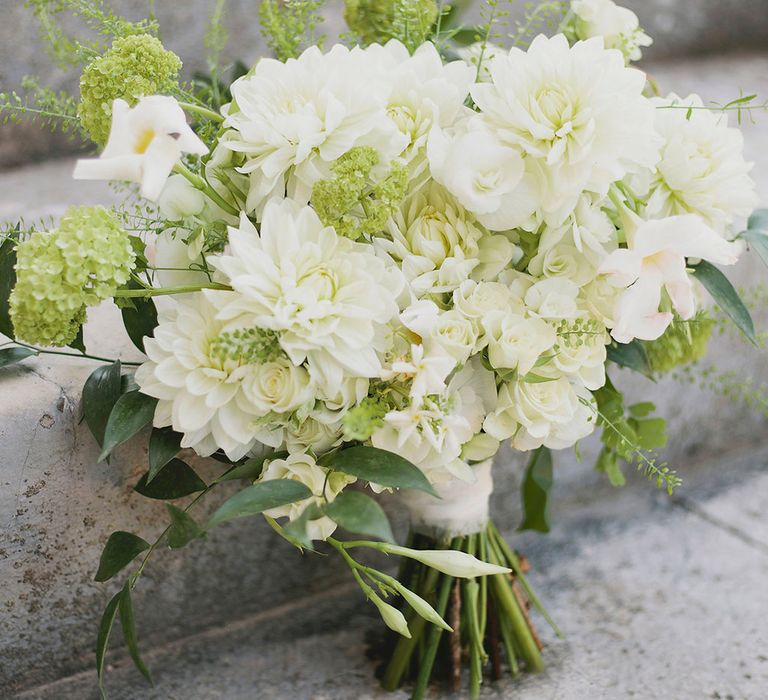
[57, 506]
[659, 598]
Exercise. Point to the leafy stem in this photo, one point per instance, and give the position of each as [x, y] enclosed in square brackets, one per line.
[166, 291]
[200, 184]
[203, 111]
[83, 355]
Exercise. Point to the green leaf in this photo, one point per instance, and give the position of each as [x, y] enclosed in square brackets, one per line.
[175, 480]
[757, 233]
[361, 515]
[79, 342]
[258, 498]
[536, 487]
[121, 549]
[140, 319]
[9, 356]
[295, 531]
[608, 462]
[129, 630]
[533, 378]
[249, 470]
[727, 298]
[131, 412]
[183, 528]
[102, 638]
[100, 394]
[642, 409]
[632, 356]
[164, 445]
[651, 433]
[381, 467]
[7, 283]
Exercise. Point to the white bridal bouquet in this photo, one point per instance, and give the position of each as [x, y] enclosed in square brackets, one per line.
[361, 269]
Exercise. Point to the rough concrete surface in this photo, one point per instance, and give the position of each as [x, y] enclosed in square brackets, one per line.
[647, 580]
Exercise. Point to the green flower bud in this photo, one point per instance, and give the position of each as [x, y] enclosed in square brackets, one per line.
[134, 67]
[59, 273]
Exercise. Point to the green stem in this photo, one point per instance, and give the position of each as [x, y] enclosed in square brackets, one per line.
[204, 111]
[433, 641]
[77, 356]
[204, 187]
[165, 291]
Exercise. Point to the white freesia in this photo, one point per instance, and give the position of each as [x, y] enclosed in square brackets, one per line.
[293, 119]
[329, 298]
[618, 26]
[324, 484]
[200, 394]
[425, 371]
[654, 261]
[577, 114]
[145, 143]
[450, 562]
[439, 244]
[702, 169]
[554, 413]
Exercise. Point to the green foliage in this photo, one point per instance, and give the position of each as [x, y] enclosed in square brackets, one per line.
[351, 201]
[290, 25]
[7, 282]
[359, 514]
[628, 436]
[164, 445]
[183, 528]
[128, 624]
[100, 394]
[61, 272]
[121, 549]
[175, 480]
[540, 17]
[56, 111]
[250, 469]
[102, 639]
[378, 21]
[535, 491]
[757, 233]
[133, 67]
[361, 421]
[631, 356]
[10, 356]
[131, 412]
[684, 342]
[139, 318]
[727, 298]
[255, 499]
[380, 467]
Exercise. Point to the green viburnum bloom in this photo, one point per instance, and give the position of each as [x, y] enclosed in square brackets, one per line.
[374, 21]
[134, 67]
[60, 273]
[682, 343]
[351, 202]
[361, 421]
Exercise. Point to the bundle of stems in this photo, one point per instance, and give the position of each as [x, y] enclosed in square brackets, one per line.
[489, 616]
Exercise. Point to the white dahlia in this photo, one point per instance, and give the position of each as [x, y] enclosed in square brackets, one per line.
[702, 168]
[329, 299]
[577, 115]
[293, 119]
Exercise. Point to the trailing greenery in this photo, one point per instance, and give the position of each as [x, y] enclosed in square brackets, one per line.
[409, 21]
[289, 26]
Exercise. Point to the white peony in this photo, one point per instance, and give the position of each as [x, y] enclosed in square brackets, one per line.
[702, 168]
[324, 484]
[293, 119]
[200, 393]
[555, 414]
[328, 298]
[439, 244]
[618, 26]
[431, 432]
[577, 115]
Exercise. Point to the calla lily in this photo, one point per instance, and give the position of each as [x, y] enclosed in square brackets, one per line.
[145, 143]
[654, 261]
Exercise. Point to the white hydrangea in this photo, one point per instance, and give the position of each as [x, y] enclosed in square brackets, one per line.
[293, 119]
[702, 169]
[324, 484]
[618, 26]
[577, 115]
[555, 414]
[200, 394]
[432, 432]
[440, 245]
[329, 299]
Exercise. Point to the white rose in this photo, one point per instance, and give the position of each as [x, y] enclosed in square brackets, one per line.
[323, 484]
[553, 298]
[618, 26]
[278, 386]
[516, 342]
[451, 331]
[542, 413]
[600, 298]
[475, 300]
[314, 435]
[563, 260]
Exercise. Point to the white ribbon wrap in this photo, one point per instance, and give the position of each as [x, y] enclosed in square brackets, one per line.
[462, 508]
